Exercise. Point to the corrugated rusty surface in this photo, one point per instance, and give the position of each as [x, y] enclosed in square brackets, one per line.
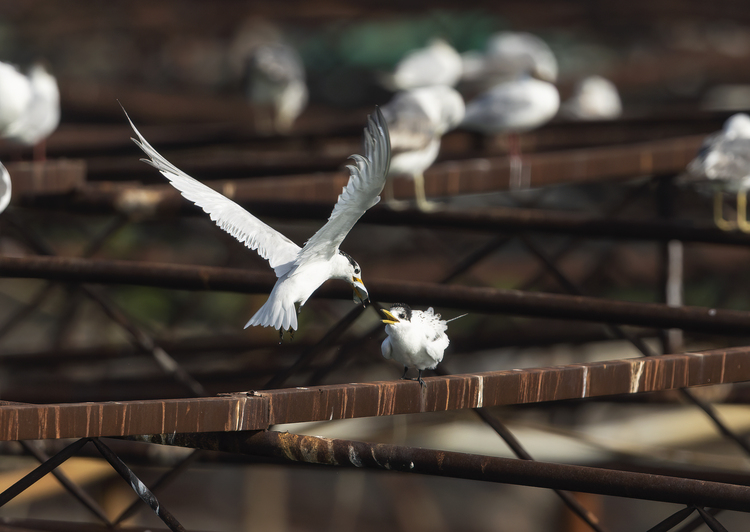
[260, 410]
[30, 422]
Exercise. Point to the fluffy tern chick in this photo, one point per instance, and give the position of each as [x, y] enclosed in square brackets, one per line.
[415, 338]
[300, 271]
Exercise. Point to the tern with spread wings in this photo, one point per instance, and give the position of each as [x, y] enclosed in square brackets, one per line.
[300, 271]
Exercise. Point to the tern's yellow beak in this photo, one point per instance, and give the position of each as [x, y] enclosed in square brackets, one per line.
[360, 292]
[389, 318]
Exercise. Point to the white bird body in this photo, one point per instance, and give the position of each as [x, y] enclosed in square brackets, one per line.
[300, 270]
[436, 64]
[415, 338]
[513, 107]
[29, 105]
[724, 158]
[417, 119]
[5, 188]
[595, 98]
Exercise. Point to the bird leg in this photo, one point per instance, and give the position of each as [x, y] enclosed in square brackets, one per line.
[422, 203]
[403, 376]
[291, 335]
[40, 150]
[419, 379]
[281, 335]
[516, 163]
[719, 220]
[742, 222]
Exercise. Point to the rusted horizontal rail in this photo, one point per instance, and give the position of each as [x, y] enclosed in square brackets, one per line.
[348, 453]
[259, 410]
[474, 299]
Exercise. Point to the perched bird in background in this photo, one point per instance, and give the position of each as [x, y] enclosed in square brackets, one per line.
[276, 86]
[417, 119]
[5, 188]
[723, 165]
[300, 271]
[415, 338]
[29, 106]
[436, 64]
[507, 56]
[594, 98]
[513, 107]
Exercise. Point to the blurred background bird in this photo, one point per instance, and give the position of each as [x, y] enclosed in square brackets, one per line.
[5, 188]
[436, 64]
[29, 106]
[723, 165]
[417, 119]
[275, 84]
[594, 98]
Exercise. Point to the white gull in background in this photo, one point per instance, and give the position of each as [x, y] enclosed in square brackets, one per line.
[723, 164]
[29, 106]
[507, 56]
[513, 107]
[300, 271]
[276, 86]
[417, 119]
[436, 64]
[415, 338]
[594, 98]
[5, 188]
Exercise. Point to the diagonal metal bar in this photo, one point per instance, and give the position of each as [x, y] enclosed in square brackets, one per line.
[711, 521]
[68, 484]
[139, 487]
[161, 482]
[645, 350]
[698, 521]
[142, 339]
[673, 520]
[42, 470]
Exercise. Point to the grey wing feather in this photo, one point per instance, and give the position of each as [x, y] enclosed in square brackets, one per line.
[366, 181]
[409, 126]
[269, 243]
[721, 159]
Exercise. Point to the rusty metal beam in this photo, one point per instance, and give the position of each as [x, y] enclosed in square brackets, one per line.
[259, 410]
[474, 299]
[290, 447]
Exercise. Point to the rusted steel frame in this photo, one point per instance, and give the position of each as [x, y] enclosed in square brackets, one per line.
[144, 340]
[643, 348]
[259, 410]
[11, 524]
[474, 299]
[568, 499]
[162, 481]
[42, 470]
[138, 487]
[75, 490]
[290, 447]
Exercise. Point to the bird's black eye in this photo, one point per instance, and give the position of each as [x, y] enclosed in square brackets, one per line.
[356, 270]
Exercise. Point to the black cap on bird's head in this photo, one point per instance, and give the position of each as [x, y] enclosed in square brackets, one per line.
[398, 312]
[361, 295]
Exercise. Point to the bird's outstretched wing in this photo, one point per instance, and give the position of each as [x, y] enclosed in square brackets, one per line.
[277, 249]
[366, 181]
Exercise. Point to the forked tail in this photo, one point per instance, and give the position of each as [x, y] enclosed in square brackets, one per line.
[275, 314]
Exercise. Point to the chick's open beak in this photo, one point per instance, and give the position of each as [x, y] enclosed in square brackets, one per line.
[360, 292]
[389, 318]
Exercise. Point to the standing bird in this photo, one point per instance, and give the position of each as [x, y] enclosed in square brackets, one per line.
[594, 98]
[415, 338]
[276, 86]
[4, 187]
[300, 271]
[438, 63]
[29, 106]
[513, 107]
[723, 163]
[417, 119]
